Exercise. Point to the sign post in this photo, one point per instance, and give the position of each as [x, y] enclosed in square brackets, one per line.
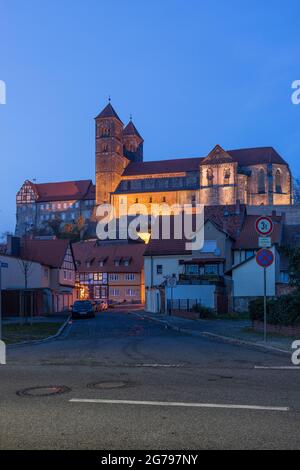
[2, 345]
[264, 226]
[171, 284]
[265, 259]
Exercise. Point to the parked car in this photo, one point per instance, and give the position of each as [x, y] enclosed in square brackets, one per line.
[83, 309]
[101, 305]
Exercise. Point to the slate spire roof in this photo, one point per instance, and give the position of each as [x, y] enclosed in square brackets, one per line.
[108, 112]
[130, 129]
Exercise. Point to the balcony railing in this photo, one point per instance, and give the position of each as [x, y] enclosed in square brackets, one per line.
[200, 279]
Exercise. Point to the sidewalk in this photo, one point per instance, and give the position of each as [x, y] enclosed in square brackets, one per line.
[233, 331]
[52, 318]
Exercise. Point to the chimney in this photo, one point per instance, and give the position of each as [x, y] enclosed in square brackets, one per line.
[13, 245]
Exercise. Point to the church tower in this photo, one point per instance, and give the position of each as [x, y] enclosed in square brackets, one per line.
[133, 143]
[110, 160]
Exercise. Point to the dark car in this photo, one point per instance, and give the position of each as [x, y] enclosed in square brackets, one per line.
[83, 309]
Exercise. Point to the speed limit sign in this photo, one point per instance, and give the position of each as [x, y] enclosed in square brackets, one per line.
[264, 226]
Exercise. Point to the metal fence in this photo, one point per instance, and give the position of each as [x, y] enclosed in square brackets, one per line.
[186, 305]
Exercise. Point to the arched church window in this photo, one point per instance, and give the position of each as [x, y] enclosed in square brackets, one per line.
[105, 148]
[105, 132]
[210, 177]
[278, 184]
[227, 176]
[261, 182]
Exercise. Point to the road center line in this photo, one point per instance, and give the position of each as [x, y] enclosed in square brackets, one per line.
[277, 367]
[179, 404]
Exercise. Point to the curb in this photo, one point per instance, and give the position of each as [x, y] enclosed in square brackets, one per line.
[45, 340]
[205, 334]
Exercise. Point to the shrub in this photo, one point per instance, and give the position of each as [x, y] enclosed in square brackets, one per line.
[282, 311]
[204, 312]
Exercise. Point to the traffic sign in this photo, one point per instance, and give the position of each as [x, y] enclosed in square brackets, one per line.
[264, 226]
[171, 282]
[265, 258]
[264, 242]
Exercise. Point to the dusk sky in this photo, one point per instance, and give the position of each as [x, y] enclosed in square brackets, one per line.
[193, 74]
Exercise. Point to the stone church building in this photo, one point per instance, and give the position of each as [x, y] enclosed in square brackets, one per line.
[254, 176]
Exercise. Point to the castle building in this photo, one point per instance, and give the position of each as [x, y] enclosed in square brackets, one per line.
[254, 176]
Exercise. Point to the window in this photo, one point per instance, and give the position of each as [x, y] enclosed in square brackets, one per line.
[159, 269]
[191, 269]
[130, 277]
[278, 187]
[227, 176]
[210, 177]
[105, 148]
[65, 275]
[249, 254]
[114, 292]
[261, 182]
[114, 277]
[70, 275]
[212, 269]
[210, 246]
[46, 273]
[130, 292]
[284, 277]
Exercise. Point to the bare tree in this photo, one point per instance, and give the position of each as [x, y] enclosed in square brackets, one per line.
[297, 191]
[26, 268]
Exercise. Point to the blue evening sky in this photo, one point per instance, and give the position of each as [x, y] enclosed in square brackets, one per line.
[193, 73]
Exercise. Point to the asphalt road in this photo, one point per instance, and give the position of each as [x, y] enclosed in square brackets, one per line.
[173, 392]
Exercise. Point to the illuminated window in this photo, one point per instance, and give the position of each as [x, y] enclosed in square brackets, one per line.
[227, 177]
[261, 182]
[278, 185]
[210, 177]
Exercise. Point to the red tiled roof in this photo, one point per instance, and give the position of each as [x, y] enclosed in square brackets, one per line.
[244, 157]
[47, 252]
[228, 219]
[248, 239]
[163, 166]
[256, 156]
[109, 252]
[108, 112]
[65, 191]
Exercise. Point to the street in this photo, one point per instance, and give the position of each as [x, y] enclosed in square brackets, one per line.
[134, 384]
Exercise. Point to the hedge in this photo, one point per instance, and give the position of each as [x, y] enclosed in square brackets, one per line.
[282, 311]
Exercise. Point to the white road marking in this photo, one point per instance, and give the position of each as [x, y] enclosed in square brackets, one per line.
[277, 367]
[179, 404]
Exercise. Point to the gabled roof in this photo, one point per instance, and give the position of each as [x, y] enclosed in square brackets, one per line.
[108, 252]
[47, 252]
[216, 156]
[248, 239]
[256, 156]
[130, 129]
[180, 165]
[108, 112]
[64, 191]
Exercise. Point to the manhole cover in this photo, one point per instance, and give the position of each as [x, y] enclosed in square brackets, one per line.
[108, 385]
[44, 391]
